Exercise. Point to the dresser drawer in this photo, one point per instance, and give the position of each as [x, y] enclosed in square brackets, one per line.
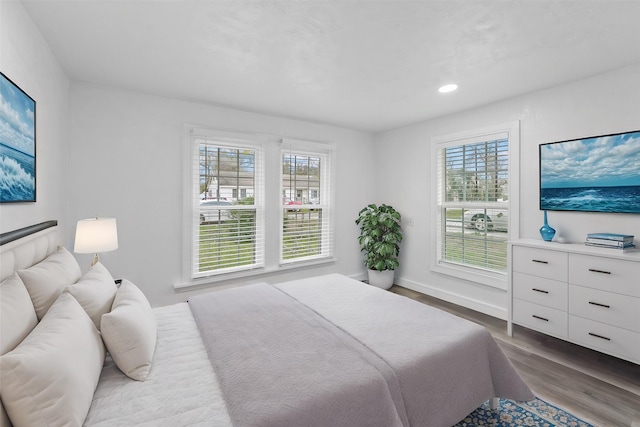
[539, 290]
[607, 274]
[540, 262]
[544, 319]
[606, 307]
[615, 341]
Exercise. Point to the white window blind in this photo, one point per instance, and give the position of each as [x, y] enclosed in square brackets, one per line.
[307, 232]
[227, 202]
[473, 202]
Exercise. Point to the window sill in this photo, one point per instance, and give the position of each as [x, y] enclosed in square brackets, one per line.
[483, 277]
[223, 279]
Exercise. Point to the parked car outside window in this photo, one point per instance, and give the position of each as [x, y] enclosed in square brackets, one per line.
[288, 201]
[489, 219]
[209, 213]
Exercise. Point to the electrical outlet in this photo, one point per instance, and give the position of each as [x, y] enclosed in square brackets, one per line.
[410, 221]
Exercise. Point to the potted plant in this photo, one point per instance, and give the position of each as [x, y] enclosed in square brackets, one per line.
[380, 235]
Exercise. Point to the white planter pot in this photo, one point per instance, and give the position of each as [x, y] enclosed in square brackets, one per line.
[381, 279]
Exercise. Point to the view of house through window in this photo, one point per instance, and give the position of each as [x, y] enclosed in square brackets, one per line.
[228, 235]
[233, 221]
[474, 202]
[305, 222]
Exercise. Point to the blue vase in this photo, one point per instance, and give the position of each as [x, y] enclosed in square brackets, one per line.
[546, 231]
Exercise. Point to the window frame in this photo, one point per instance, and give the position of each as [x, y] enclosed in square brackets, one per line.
[272, 202]
[224, 140]
[477, 275]
[326, 153]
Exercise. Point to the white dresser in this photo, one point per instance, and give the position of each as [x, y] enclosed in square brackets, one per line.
[588, 296]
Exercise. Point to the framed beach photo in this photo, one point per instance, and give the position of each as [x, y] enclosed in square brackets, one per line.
[17, 144]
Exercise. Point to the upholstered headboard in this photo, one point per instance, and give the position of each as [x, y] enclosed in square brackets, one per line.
[27, 246]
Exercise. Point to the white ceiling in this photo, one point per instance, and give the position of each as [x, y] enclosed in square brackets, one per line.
[369, 65]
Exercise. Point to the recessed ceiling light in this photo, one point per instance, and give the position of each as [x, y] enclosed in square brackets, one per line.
[448, 88]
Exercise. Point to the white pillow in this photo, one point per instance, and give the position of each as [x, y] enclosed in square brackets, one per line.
[95, 292]
[129, 331]
[17, 315]
[47, 279]
[50, 378]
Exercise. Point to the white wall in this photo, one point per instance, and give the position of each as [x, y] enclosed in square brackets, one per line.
[599, 105]
[125, 160]
[26, 59]
[120, 154]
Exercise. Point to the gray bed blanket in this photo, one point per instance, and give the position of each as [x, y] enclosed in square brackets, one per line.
[280, 364]
[446, 366]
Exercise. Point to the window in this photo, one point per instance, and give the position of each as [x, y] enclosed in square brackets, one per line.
[243, 193]
[306, 225]
[228, 233]
[255, 204]
[474, 203]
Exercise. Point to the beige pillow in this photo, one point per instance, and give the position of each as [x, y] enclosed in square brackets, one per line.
[129, 331]
[4, 418]
[50, 378]
[17, 315]
[47, 279]
[95, 292]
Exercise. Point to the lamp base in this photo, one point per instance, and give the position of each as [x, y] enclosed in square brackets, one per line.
[95, 260]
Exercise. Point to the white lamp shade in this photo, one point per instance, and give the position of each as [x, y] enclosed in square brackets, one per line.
[95, 235]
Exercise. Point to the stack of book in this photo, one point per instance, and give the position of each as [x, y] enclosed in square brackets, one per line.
[610, 240]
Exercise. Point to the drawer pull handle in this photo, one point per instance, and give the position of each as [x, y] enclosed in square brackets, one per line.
[599, 305]
[540, 290]
[538, 317]
[599, 336]
[540, 261]
[593, 270]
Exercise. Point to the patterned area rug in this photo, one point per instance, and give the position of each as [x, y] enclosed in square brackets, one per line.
[536, 413]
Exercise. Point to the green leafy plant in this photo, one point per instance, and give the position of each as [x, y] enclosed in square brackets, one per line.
[380, 235]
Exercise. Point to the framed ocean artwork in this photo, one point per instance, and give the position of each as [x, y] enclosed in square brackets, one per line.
[17, 143]
[595, 174]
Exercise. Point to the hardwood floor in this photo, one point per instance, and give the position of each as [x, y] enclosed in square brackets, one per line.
[600, 389]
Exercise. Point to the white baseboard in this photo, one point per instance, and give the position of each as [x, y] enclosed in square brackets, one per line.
[473, 304]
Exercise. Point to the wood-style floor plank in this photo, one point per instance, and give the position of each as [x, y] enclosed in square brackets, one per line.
[598, 388]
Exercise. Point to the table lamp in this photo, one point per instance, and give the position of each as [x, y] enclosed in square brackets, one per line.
[94, 235]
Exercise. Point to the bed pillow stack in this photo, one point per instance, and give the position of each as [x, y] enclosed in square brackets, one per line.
[52, 350]
[26, 295]
[123, 316]
[48, 370]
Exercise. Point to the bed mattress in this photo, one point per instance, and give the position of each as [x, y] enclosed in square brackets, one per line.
[181, 389]
[444, 366]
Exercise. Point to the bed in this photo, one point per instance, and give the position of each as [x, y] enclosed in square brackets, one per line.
[321, 351]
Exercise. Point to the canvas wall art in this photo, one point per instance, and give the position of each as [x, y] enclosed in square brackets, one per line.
[17, 144]
[595, 174]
